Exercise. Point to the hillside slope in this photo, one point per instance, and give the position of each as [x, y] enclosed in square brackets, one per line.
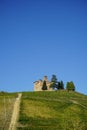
[7, 101]
[59, 110]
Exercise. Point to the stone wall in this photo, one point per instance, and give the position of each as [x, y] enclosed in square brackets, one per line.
[38, 84]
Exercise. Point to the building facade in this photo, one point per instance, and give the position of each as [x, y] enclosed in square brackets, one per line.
[38, 84]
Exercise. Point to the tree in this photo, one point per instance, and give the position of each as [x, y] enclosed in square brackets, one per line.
[52, 85]
[54, 81]
[44, 87]
[60, 85]
[70, 86]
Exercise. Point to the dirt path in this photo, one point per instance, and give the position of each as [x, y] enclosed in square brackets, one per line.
[75, 102]
[15, 112]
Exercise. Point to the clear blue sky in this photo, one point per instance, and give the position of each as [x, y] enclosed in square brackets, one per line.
[42, 37]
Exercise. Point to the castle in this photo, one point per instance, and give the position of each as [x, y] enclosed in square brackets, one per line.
[38, 84]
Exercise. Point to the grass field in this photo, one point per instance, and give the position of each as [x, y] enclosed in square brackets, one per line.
[6, 107]
[58, 110]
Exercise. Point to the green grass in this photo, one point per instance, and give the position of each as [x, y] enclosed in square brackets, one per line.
[58, 110]
[6, 107]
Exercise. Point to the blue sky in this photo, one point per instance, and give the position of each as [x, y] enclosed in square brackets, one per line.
[42, 37]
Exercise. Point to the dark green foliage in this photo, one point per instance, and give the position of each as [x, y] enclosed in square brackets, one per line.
[70, 86]
[54, 81]
[44, 87]
[60, 85]
[53, 85]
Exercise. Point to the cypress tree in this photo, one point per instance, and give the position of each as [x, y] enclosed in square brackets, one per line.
[44, 87]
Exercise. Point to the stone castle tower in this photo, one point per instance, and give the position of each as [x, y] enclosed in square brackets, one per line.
[38, 84]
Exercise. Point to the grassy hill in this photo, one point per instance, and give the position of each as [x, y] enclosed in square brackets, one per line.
[6, 108]
[57, 110]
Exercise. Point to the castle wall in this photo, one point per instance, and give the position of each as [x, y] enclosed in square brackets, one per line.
[38, 85]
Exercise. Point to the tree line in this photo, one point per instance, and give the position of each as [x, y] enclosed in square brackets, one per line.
[59, 85]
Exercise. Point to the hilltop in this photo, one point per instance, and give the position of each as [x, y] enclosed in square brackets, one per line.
[50, 110]
[58, 110]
